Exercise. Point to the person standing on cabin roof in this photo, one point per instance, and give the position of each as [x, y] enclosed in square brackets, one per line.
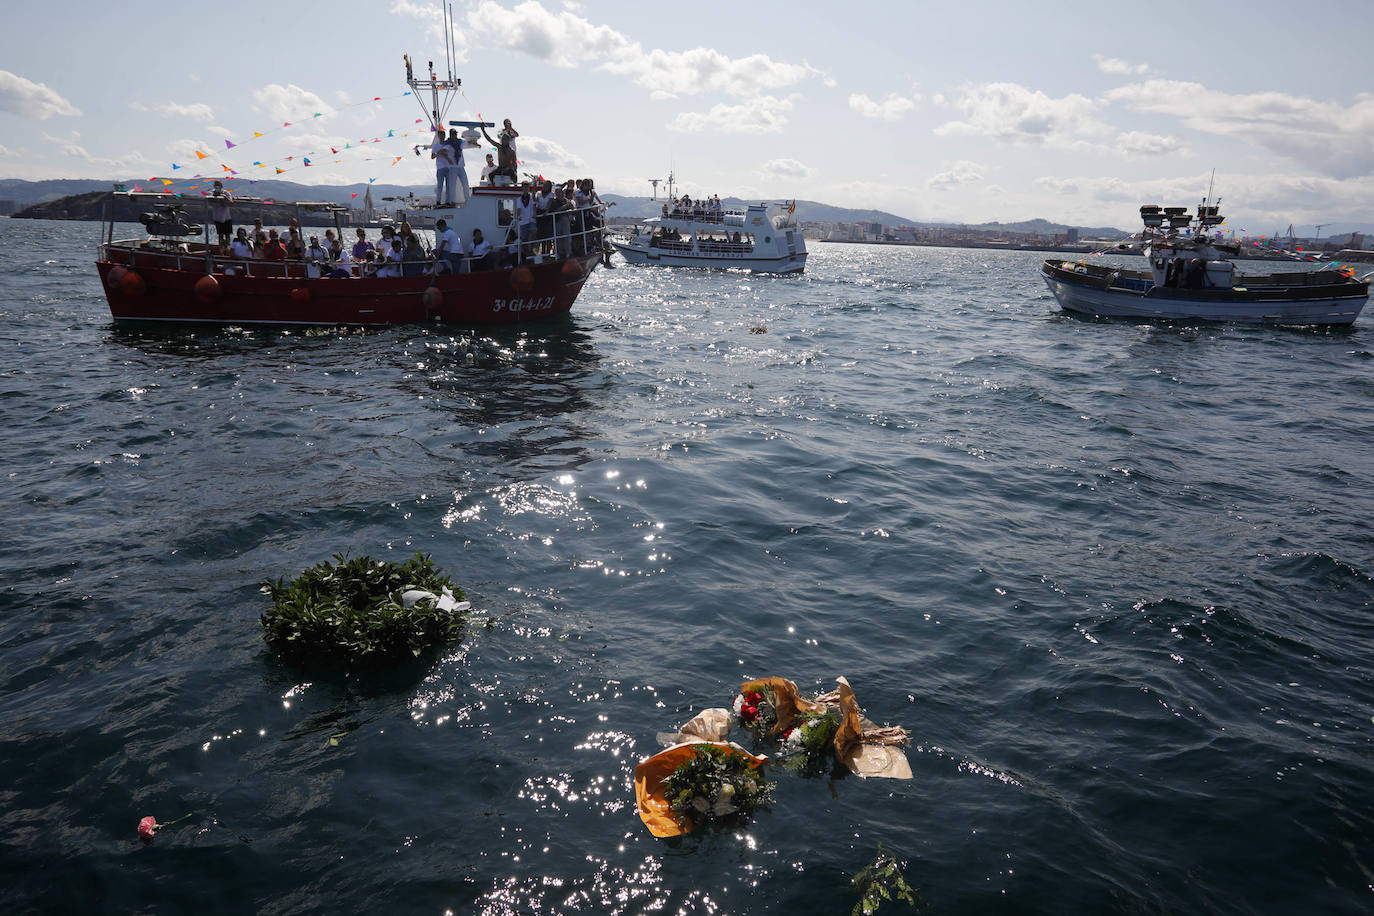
[506, 161]
[461, 169]
[220, 215]
[442, 154]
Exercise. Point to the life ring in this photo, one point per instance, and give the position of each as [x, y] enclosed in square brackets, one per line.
[432, 298]
[115, 278]
[207, 290]
[300, 294]
[572, 270]
[522, 279]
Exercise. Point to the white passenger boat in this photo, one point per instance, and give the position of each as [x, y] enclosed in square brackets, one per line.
[1193, 278]
[761, 238]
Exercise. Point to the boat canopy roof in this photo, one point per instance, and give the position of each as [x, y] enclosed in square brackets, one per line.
[183, 200]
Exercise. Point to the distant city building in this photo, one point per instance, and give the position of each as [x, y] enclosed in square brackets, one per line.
[8, 206]
[1071, 235]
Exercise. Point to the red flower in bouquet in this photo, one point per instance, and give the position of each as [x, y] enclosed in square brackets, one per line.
[748, 712]
[147, 827]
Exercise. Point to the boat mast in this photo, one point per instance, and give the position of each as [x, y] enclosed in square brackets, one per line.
[438, 106]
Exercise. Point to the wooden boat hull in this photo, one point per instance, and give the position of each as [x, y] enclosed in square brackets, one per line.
[1108, 293]
[147, 291]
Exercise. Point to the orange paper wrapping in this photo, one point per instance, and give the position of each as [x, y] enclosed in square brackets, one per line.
[654, 811]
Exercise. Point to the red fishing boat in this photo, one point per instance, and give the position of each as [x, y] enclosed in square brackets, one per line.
[174, 273]
[162, 278]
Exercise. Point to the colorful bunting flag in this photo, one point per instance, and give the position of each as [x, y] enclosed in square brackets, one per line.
[200, 155]
[228, 144]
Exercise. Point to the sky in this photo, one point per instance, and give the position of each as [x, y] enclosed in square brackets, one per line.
[963, 112]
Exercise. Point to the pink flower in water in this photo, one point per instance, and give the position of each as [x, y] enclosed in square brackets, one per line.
[146, 827]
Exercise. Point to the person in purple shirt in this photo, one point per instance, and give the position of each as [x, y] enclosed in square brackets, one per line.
[362, 246]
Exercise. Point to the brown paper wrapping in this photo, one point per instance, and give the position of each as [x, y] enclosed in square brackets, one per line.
[708, 725]
[875, 753]
[787, 700]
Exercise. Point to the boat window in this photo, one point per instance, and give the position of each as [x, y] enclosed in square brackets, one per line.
[505, 212]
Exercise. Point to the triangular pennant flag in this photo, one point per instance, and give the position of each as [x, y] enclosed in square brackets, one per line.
[333, 150]
[165, 182]
[306, 161]
[279, 171]
[317, 114]
[376, 98]
[137, 188]
[391, 133]
[200, 155]
[225, 167]
[175, 166]
[257, 133]
[351, 195]
[258, 164]
[396, 160]
[370, 180]
[228, 144]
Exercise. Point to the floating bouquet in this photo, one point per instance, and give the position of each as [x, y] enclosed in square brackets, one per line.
[703, 777]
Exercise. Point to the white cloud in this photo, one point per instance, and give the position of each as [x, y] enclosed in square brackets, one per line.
[564, 39]
[786, 170]
[762, 115]
[889, 109]
[540, 155]
[106, 167]
[32, 100]
[4, 150]
[432, 15]
[1116, 65]
[196, 111]
[289, 103]
[1014, 114]
[1138, 144]
[959, 174]
[1336, 138]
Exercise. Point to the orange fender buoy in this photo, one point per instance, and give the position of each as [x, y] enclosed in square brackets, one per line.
[432, 299]
[115, 278]
[132, 285]
[522, 278]
[207, 290]
[572, 270]
[300, 294]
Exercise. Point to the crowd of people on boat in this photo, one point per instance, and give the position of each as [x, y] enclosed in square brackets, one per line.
[547, 220]
[706, 209]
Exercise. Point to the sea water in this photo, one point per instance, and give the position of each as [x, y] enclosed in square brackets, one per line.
[1113, 577]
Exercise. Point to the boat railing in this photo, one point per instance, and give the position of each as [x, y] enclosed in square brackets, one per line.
[576, 241]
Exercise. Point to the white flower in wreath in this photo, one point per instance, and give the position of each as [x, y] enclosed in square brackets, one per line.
[738, 704]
